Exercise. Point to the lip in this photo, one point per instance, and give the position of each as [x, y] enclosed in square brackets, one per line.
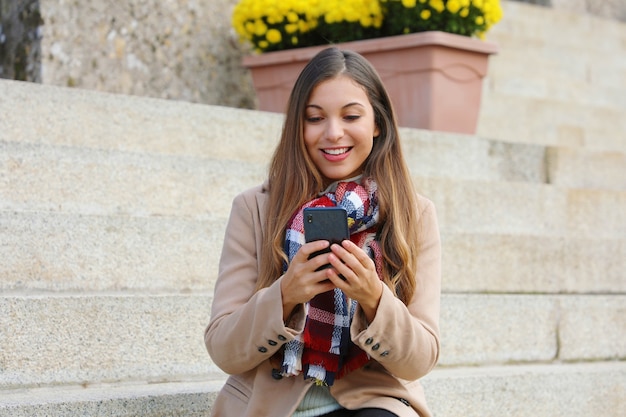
[336, 154]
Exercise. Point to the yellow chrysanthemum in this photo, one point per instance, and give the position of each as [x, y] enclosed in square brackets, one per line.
[437, 5]
[292, 17]
[453, 6]
[291, 28]
[278, 24]
[260, 28]
[273, 36]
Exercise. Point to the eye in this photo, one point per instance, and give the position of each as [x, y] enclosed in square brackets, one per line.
[352, 117]
[313, 119]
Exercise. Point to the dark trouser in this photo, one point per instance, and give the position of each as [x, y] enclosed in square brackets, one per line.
[364, 412]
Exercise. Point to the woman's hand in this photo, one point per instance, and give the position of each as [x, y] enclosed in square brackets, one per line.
[361, 280]
[302, 282]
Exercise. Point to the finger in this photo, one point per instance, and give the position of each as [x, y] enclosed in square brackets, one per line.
[312, 250]
[311, 247]
[337, 280]
[358, 253]
[344, 267]
[354, 257]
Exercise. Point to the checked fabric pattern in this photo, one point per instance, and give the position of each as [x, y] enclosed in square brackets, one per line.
[324, 351]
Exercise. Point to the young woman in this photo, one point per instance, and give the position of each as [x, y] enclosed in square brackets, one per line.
[355, 338]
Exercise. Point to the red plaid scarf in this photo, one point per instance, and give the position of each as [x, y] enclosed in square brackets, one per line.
[325, 351]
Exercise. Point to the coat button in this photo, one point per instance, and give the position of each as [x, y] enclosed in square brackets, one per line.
[263, 349]
[276, 374]
[272, 342]
[385, 353]
[376, 346]
[369, 341]
[281, 338]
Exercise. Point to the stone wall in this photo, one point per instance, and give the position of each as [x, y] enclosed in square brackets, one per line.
[612, 9]
[20, 40]
[173, 49]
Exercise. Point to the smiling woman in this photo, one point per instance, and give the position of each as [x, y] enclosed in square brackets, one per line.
[280, 322]
[339, 128]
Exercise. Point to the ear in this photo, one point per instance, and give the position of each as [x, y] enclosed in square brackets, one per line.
[376, 131]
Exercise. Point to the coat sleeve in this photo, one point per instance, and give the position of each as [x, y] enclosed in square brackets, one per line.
[405, 338]
[246, 327]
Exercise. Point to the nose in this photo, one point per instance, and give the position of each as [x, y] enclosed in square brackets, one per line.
[334, 129]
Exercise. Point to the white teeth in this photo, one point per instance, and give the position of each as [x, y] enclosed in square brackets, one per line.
[336, 151]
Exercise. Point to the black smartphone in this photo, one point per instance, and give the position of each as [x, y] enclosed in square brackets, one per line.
[325, 223]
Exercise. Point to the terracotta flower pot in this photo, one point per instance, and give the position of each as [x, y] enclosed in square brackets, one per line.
[434, 78]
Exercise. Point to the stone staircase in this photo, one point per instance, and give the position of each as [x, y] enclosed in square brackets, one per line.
[112, 211]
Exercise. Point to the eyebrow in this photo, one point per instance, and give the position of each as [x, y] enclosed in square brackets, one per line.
[354, 103]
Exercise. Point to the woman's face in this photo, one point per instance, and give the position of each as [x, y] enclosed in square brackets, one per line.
[339, 128]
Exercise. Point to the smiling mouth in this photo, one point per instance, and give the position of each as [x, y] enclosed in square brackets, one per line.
[336, 151]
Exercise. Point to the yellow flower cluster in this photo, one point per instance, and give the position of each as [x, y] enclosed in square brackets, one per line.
[366, 12]
[271, 25]
[463, 17]
[269, 22]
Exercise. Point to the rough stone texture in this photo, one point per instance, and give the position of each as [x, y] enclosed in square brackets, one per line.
[179, 399]
[604, 8]
[20, 40]
[520, 391]
[74, 339]
[529, 391]
[106, 338]
[63, 252]
[183, 50]
[613, 9]
[180, 50]
[532, 264]
[592, 328]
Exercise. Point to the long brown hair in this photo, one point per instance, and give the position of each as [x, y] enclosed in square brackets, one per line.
[294, 179]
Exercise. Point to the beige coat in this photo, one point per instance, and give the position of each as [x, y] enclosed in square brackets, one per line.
[246, 329]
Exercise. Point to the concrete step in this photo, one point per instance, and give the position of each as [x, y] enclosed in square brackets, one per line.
[488, 263]
[525, 209]
[70, 252]
[483, 329]
[67, 116]
[52, 251]
[173, 399]
[462, 157]
[91, 181]
[560, 390]
[98, 338]
[65, 339]
[551, 122]
[107, 181]
[554, 390]
[196, 132]
[58, 252]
